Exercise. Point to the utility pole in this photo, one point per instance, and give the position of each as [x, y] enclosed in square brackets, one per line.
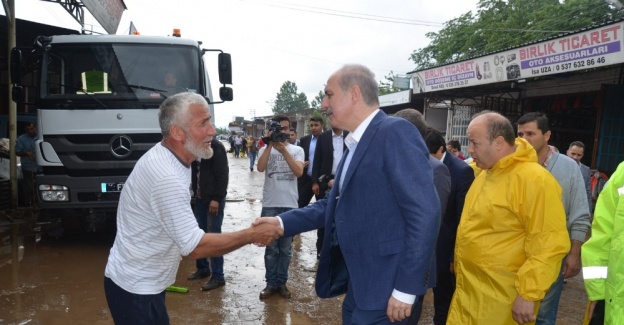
[9, 7]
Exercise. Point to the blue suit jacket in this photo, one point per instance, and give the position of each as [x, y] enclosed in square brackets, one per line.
[385, 217]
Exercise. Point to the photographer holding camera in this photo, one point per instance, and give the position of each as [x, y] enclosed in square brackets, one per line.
[283, 163]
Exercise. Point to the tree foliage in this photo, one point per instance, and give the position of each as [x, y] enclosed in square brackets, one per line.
[501, 24]
[222, 130]
[318, 99]
[288, 99]
[387, 86]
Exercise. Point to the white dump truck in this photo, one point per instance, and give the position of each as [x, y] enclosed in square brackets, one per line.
[97, 109]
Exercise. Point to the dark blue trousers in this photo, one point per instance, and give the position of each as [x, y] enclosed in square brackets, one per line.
[134, 309]
[352, 315]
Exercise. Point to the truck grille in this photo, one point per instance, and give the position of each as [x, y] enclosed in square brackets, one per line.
[93, 152]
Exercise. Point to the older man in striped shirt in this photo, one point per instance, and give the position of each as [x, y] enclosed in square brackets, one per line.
[155, 223]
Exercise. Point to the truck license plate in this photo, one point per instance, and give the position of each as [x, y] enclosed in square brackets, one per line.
[112, 187]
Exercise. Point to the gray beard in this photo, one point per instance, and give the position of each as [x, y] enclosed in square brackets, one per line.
[198, 150]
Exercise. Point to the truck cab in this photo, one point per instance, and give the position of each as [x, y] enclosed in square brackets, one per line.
[97, 110]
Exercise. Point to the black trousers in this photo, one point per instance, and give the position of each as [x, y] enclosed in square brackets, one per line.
[416, 311]
[28, 188]
[599, 313]
[442, 294]
[304, 187]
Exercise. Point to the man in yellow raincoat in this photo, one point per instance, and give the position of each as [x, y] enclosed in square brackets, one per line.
[603, 254]
[512, 235]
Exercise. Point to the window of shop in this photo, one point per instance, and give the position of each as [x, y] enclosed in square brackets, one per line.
[572, 118]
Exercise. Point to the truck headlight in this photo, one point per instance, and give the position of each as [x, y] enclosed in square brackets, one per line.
[54, 193]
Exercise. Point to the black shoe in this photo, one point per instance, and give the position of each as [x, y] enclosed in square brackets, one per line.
[213, 284]
[283, 291]
[198, 275]
[267, 292]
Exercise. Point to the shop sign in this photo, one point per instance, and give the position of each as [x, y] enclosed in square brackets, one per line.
[397, 98]
[590, 49]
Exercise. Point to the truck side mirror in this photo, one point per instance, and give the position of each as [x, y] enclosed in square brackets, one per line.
[226, 94]
[17, 92]
[16, 66]
[225, 69]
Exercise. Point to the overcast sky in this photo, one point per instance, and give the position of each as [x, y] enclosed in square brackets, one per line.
[302, 41]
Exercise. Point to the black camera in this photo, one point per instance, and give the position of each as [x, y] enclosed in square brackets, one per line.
[323, 182]
[277, 135]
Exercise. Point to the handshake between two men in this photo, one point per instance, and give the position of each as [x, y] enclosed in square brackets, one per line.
[268, 223]
[262, 233]
[266, 230]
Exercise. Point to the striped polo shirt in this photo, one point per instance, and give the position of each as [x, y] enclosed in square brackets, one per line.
[155, 224]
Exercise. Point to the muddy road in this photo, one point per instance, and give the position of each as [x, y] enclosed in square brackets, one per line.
[59, 279]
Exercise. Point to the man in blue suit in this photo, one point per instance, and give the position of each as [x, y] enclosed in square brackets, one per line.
[382, 215]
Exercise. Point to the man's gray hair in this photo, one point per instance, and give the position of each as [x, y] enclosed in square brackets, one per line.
[357, 74]
[174, 110]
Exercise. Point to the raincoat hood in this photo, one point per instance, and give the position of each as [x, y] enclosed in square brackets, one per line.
[524, 153]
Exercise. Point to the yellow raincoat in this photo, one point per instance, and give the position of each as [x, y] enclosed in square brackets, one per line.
[511, 239]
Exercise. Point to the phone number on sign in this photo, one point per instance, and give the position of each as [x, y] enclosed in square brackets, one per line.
[456, 83]
[580, 64]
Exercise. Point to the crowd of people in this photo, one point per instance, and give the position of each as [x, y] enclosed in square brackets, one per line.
[494, 231]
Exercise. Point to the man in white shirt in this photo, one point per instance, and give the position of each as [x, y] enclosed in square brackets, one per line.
[282, 163]
[238, 142]
[155, 223]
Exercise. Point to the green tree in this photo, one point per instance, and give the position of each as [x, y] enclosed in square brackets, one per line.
[318, 99]
[501, 24]
[288, 99]
[222, 130]
[387, 86]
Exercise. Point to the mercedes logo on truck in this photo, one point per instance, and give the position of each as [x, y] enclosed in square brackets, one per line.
[121, 146]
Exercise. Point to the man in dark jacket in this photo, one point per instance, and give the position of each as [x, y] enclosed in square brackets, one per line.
[462, 177]
[329, 149]
[210, 195]
[308, 143]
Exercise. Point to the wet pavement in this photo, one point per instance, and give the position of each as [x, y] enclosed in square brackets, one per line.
[59, 279]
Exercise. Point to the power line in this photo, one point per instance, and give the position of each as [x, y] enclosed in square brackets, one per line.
[348, 14]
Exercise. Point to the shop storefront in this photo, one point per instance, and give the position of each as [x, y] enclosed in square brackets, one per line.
[576, 79]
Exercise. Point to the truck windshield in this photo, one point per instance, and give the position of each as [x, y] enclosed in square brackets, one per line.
[107, 73]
